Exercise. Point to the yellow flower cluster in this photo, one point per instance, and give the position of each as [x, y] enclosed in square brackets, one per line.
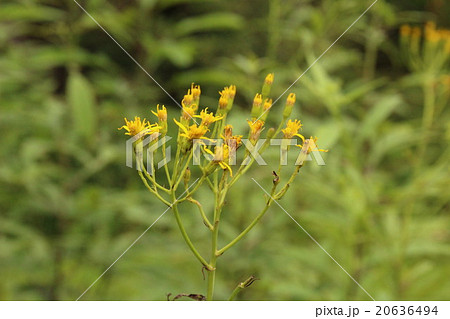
[430, 33]
[139, 126]
[219, 144]
[292, 128]
[193, 125]
[427, 48]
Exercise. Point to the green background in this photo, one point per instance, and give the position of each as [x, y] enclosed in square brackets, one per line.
[69, 206]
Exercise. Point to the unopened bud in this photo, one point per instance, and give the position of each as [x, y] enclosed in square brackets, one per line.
[270, 133]
[267, 85]
[188, 99]
[266, 108]
[289, 105]
[223, 102]
[196, 91]
[257, 104]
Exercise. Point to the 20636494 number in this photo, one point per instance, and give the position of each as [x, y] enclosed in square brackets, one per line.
[404, 310]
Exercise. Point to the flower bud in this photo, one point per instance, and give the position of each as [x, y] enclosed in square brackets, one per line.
[290, 101]
[188, 99]
[223, 101]
[267, 85]
[257, 103]
[270, 133]
[196, 91]
[266, 108]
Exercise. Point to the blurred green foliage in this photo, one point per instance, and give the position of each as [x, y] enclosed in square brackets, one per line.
[69, 206]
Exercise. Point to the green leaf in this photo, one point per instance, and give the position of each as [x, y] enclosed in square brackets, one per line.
[29, 13]
[209, 22]
[81, 99]
[378, 114]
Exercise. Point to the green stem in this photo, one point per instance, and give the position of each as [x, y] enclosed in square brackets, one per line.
[192, 191]
[427, 117]
[152, 190]
[220, 198]
[235, 292]
[175, 166]
[202, 213]
[242, 285]
[252, 224]
[186, 237]
[213, 262]
[245, 231]
[241, 171]
[183, 171]
[166, 166]
[142, 168]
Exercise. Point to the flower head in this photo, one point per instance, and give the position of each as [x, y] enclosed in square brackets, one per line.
[310, 145]
[228, 91]
[161, 113]
[226, 95]
[233, 141]
[188, 112]
[290, 101]
[267, 104]
[257, 103]
[208, 118]
[292, 128]
[192, 132]
[220, 157]
[405, 30]
[195, 91]
[256, 128]
[137, 126]
[188, 101]
[269, 79]
[257, 100]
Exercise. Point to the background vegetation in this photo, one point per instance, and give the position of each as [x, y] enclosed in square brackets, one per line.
[69, 206]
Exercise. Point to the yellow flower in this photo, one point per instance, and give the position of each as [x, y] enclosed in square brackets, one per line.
[223, 100]
[269, 78]
[192, 132]
[256, 128]
[195, 91]
[257, 100]
[292, 128]
[137, 126]
[232, 91]
[226, 95]
[208, 118]
[416, 32]
[161, 113]
[233, 141]
[229, 92]
[188, 112]
[431, 34]
[188, 101]
[256, 108]
[267, 104]
[220, 157]
[290, 99]
[405, 30]
[311, 145]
